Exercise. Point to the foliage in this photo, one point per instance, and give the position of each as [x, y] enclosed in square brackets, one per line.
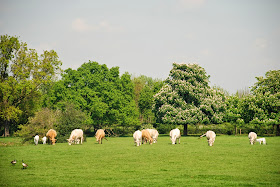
[188, 99]
[262, 107]
[43, 120]
[230, 162]
[144, 90]
[69, 119]
[24, 77]
[98, 91]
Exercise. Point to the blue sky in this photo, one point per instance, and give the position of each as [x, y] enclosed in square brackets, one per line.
[234, 40]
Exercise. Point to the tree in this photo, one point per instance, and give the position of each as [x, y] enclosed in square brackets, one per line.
[100, 92]
[188, 99]
[24, 76]
[266, 100]
[145, 88]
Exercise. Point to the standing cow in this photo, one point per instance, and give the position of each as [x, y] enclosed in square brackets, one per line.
[51, 134]
[137, 136]
[175, 135]
[211, 136]
[154, 134]
[99, 135]
[252, 137]
[76, 137]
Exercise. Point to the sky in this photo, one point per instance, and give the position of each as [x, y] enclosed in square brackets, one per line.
[233, 40]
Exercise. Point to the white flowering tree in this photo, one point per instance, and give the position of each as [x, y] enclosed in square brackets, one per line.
[188, 99]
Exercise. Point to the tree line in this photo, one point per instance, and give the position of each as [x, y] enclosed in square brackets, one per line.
[33, 98]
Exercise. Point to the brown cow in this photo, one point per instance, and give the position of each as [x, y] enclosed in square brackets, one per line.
[51, 134]
[99, 135]
[146, 136]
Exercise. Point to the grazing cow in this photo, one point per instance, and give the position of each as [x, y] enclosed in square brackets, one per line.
[252, 137]
[76, 136]
[137, 136]
[146, 136]
[99, 135]
[51, 134]
[44, 140]
[154, 134]
[211, 136]
[36, 139]
[175, 135]
[261, 140]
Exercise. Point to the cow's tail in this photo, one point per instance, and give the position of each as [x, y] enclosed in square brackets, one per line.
[202, 135]
[105, 138]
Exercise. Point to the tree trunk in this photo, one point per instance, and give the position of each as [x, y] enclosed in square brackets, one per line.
[185, 129]
[277, 130]
[7, 129]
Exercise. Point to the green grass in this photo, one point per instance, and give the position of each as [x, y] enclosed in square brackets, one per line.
[117, 162]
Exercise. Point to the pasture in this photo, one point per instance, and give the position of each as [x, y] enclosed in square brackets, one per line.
[117, 162]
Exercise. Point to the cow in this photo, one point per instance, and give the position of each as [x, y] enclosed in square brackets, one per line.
[44, 140]
[154, 134]
[175, 135]
[146, 136]
[76, 136]
[137, 136]
[211, 136]
[252, 137]
[51, 134]
[99, 135]
[36, 139]
[261, 140]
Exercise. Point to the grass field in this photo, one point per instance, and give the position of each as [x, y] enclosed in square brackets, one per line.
[117, 162]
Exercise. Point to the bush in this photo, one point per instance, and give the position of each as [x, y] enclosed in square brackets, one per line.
[70, 118]
[43, 120]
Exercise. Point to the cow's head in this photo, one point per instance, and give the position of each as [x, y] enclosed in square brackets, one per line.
[53, 141]
[210, 142]
[70, 141]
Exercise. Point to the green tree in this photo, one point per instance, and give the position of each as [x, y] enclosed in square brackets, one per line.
[144, 89]
[24, 74]
[265, 102]
[107, 97]
[188, 99]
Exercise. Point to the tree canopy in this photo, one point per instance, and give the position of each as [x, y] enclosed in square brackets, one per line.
[99, 91]
[188, 99]
[24, 74]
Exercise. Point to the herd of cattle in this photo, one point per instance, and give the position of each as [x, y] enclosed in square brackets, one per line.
[140, 137]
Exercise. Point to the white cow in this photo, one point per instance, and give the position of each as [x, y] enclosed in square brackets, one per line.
[211, 136]
[252, 137]
[137, 136]
[76, 136]
[44, 140]
[36, 139]
[175, 135]
[154, 134]
[261, 140]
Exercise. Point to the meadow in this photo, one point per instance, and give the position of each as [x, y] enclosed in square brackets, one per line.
[117, 162]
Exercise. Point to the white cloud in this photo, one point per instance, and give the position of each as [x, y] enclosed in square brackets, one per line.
[80, 25]
[261, 43]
